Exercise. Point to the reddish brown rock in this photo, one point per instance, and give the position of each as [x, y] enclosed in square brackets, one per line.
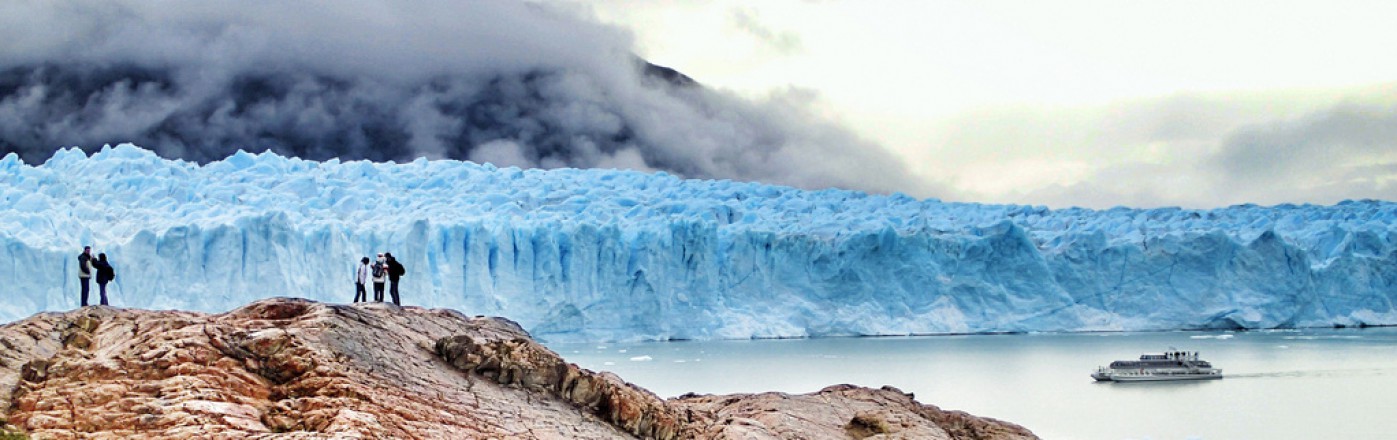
[288, 368]
[840, 411]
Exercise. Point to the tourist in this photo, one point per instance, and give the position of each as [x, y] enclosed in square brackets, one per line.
[85, 271]
[105, 274]
[361, 279]
[395, 270]
[380, 274]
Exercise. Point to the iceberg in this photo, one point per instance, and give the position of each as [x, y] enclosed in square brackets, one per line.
[598, 255]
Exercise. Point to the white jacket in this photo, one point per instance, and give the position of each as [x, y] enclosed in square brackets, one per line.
[361, 275]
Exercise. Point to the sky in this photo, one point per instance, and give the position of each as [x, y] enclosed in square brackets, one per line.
[1070, 103]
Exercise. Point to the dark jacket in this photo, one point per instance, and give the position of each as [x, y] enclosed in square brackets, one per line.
[105, 272]
[395, 269]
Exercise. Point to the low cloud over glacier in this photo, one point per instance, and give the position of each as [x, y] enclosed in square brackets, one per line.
[514, 83]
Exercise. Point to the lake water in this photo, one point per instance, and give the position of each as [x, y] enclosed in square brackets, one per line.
[1300, 384]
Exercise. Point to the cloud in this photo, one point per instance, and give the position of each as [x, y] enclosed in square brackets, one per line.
[745, 19]
[1346, 151]
[1191, 150]
[501, 153]
[521, 83]
[1336, 137]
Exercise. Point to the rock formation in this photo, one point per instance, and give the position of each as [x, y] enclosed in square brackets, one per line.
[296, 369]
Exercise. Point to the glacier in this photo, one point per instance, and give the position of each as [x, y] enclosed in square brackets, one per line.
[598, 255]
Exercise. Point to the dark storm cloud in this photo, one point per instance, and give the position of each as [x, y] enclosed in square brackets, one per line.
[514, 82]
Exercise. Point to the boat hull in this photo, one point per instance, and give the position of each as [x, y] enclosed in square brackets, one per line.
[1162, 377]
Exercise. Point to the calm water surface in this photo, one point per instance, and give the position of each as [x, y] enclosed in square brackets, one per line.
[1302, 384]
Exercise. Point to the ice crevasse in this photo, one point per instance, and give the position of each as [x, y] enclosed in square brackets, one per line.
[623, 255]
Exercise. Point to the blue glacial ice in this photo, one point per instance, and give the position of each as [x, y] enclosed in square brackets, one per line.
[622, 255]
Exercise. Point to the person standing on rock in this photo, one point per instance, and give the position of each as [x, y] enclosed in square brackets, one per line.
[105, 274]
[395, 270]
[85, 272]
[361, 279]
[380, 274]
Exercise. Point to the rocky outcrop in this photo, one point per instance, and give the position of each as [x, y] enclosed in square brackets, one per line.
[288, 368]
[840, 411]
[514, 360]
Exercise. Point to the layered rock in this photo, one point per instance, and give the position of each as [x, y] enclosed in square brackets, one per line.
[288, 368]
[840, 411]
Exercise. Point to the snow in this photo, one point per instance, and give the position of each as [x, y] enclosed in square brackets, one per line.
[620, 255]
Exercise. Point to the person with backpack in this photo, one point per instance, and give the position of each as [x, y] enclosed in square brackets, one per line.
[361, 279]
[105, 274]
[380, 274]
[395, 271]
[85, 272]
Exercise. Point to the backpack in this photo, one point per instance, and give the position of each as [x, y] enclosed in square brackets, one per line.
[378, 270]
[106, 273]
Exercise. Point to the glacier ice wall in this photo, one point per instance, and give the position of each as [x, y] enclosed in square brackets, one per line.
[601, 254]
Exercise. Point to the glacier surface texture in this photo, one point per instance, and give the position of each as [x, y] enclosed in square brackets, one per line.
[619, 255]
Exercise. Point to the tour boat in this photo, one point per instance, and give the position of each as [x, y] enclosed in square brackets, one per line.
[1171, 365]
